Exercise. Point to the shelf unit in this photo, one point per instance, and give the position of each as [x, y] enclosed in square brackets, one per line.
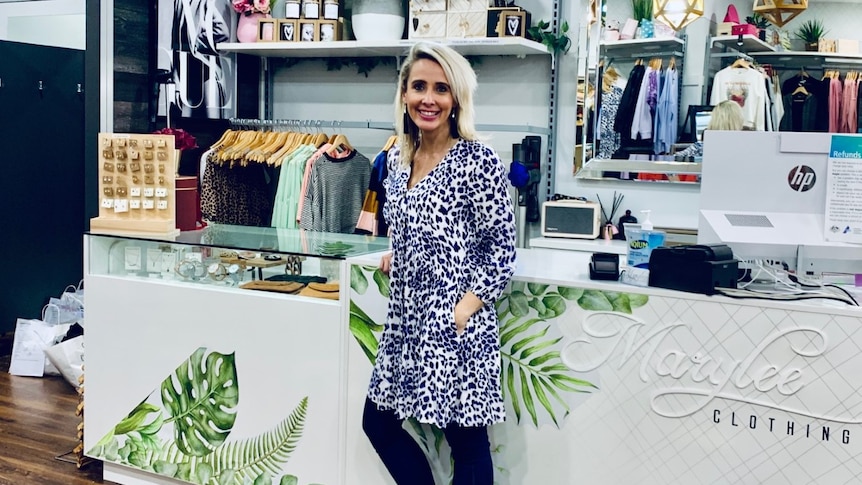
[740, 43]
[810, 60]
[670, 46]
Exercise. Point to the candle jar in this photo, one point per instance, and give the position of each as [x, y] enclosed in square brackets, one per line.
[311, 9]
[330, 9]
[291, 9]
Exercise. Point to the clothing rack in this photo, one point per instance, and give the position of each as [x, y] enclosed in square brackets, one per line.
[253, 123]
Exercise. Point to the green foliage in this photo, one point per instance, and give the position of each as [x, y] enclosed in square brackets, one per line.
[203, 402]
[757, 20]
[541, 32]
[362, 326]
[336, 249]
[534, 376]
[642, 9]
[811, 31]
[363, 65]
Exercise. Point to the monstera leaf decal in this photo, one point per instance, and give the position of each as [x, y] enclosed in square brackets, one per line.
[201, 397]
[362, 326]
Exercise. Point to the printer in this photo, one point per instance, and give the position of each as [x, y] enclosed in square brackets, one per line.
[698, 268]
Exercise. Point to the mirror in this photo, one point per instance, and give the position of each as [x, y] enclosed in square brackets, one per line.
[610, 149]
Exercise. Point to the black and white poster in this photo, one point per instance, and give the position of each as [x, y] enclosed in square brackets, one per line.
[202, 81]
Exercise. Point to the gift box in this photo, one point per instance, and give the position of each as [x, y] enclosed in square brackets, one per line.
[188, 203]
[467, 6]
[629, 29]
[425, 25]
[744, 29]
[847, 46]
[724, 28]
[466, 24]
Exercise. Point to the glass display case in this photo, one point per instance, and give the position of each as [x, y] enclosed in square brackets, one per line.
[259, 258]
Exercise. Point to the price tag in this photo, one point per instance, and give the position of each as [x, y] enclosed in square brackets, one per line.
[161, 192]
[162, 205]
[134, 204]
[148, 192]
[135, 191]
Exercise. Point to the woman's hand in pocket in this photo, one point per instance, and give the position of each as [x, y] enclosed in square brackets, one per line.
[386, 263]
[464, 309]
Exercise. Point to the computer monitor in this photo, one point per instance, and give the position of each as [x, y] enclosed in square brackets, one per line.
[764, 195]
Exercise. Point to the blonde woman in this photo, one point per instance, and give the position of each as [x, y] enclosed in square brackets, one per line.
[452, 229]
[725, 116]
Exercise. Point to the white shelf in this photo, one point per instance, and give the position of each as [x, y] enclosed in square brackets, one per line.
[643, 47]
[812, 60]
[484, 46]
[749, 43]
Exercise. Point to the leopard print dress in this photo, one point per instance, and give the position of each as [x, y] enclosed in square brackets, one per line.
[453, 232]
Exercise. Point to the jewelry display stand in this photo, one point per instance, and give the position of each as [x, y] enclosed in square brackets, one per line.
[136, 185]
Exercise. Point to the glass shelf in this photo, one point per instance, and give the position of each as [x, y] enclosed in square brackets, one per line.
[595, 170]
[270, 239]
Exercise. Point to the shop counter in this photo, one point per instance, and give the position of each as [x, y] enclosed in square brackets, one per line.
[603, 383]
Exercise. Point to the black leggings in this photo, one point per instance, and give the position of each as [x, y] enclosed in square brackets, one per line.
[402, 456]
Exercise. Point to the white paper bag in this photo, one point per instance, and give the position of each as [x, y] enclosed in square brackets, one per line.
[68, 358]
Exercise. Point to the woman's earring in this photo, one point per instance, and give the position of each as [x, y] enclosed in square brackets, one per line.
[453, 125]
[406, 121]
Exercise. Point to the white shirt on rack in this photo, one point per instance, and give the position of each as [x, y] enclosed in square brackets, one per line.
[745, 86]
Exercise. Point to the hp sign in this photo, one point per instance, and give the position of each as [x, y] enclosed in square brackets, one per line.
[801, 178]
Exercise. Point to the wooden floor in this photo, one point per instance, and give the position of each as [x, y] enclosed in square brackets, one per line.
[38, 424]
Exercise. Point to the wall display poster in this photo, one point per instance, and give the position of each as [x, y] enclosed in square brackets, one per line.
[844, 189]
[202, 80]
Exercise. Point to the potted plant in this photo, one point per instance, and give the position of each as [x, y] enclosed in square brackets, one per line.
[811, 32]
[642, 11]
[760, 22]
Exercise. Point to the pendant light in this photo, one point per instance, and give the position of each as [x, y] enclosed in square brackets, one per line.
[779, 12]
[677, 13]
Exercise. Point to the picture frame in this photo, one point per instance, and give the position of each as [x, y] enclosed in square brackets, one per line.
[512, 24]
[266, 30]
[288, 30]
[328, 30]
[307, 30]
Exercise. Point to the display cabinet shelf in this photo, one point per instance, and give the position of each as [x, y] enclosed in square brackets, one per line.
[500, 46]
[810, 60]
[643, 47]
[741, 43]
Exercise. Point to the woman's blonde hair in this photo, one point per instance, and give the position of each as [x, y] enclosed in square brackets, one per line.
[462, 83]
[726, 116]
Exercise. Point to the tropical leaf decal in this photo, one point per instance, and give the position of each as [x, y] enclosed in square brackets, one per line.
[201, 397]
[535, 380]
[246, 461]
[365, 330]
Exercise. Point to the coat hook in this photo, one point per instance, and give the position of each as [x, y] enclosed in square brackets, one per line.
[80, 88]
[41, 86]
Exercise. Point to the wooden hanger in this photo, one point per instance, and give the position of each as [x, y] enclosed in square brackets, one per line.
[799, 90]
[741, 63]
[339, 144]
[672, 63]
[390, 143]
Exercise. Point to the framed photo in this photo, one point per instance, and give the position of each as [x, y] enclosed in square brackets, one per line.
[328, 30]
[266, 29]
[288, 30]
[511, 24]
[307, 30]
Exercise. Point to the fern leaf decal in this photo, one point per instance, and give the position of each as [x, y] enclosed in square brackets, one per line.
[265, 453]
[202, 397]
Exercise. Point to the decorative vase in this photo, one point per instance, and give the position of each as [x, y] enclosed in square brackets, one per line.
[811, 46]
[647, 29]
[377, 19]
[246, 27]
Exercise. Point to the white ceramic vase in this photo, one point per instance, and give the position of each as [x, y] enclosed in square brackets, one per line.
[377, 19]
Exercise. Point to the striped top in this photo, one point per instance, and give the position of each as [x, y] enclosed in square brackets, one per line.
[336, 189]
